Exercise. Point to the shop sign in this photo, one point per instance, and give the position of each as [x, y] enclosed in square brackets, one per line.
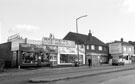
[57, 42]
[38, 48]
[66, 50]
[51, 48]
[26, 47]
[14, 37]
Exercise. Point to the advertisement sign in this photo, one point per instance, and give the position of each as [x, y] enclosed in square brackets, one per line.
[14, 37]
[51, 48]
[70, 50]
[57, 42]
[115, 48]
[66, 50]
[38, 48]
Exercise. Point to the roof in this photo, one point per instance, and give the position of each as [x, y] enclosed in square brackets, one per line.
[122, 42]
[83, 39]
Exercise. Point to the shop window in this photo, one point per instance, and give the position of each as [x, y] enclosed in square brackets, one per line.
[29, 57]
[68, 58]
[44, 57]
[53, 57]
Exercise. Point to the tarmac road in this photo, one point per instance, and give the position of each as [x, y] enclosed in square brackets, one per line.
[124, 77]
[23, 76]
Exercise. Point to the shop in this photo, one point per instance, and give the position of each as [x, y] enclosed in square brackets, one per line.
[68, 56]
[67, 51]
[97, 58]
[35, 55]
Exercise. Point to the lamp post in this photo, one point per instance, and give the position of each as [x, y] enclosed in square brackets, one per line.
[77, 33]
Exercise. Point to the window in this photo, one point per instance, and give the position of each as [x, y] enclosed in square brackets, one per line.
[70, 58]
[29, 57]
[87, 47]
[92, 47]
[124, 49]
[130, 49]
[100, 48]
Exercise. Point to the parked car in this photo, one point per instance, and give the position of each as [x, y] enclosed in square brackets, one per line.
[118, 62]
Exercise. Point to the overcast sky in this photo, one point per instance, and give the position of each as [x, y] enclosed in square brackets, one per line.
[108, 20]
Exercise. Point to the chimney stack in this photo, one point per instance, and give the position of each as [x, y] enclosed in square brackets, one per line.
[89, 35]
[121, 39]
[25, 40]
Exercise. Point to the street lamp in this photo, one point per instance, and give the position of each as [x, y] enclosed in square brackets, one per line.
[77, 33]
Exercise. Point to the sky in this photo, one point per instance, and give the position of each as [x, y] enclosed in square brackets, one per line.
[108, 20]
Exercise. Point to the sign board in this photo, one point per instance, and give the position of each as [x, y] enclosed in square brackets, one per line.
[66, 50]
[115, 48]
[57, 42]
[14, 37]
[38, 48]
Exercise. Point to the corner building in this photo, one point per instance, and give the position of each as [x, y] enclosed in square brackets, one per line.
[95, 49]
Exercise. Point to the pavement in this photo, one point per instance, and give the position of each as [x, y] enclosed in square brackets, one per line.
[91, 72]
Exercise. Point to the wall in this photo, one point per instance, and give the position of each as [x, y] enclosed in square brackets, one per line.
[15, 44]
[127, 49]
[6, 54]
[5, 51]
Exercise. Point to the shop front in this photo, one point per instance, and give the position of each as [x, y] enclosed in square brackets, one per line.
[96, 58]
[68, 56]
[35, 55]
[67, 51]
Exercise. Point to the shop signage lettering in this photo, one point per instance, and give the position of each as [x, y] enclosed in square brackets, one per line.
[14, 37]
[32, 47]
[66, 50]
[57, 42]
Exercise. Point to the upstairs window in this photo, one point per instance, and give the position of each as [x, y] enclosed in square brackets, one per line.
[87, 47]
[92, 47]
[124, 49]
[100, 48]
[129, 49]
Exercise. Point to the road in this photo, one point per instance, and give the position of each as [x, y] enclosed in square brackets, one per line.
[23, 78]
[124, 77]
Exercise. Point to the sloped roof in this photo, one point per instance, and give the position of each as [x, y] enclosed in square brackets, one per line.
[123, 43]
[83, 39]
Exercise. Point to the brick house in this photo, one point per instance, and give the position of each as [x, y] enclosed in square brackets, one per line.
[95, 49]
[121, 51]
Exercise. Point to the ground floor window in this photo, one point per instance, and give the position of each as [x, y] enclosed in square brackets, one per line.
[104, 58]
[29, 57]
[44, 57]
[70, 58]
[53, 58]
